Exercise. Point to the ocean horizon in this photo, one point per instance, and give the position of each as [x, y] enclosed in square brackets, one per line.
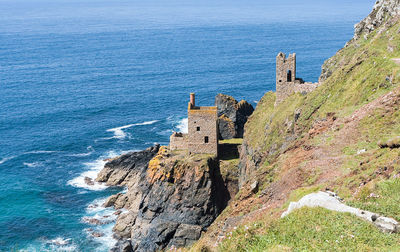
[83, 81]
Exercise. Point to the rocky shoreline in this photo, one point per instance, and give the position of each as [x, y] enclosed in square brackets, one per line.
[171, 197]
[170, 200]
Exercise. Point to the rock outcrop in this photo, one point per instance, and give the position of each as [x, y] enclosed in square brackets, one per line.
[232, 116]
[171, 198]
[385, 13]
[383, 9]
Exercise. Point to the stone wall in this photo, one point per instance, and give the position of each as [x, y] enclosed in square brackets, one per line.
[305, 88]
[287, 82]
[178, 141]
[202, 128]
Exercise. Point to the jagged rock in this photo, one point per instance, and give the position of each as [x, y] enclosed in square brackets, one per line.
[97, 234]
[244, 110]
[89, 181]
[121, 201]
[124, 224]
[230, 111]
[254, 187]
[111, 200]
[92, 221]
[117, 170]
[374, 21]
[377, 17]
[226, 128]
[122, 246]
[170, 200]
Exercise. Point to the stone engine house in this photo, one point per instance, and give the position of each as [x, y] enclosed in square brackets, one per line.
[202, 134]
[287, 82]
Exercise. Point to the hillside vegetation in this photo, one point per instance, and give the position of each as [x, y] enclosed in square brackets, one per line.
[344, 137]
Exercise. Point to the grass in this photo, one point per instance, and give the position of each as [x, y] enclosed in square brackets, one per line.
[361, 73]
[236, 141]
[311, 229]
[385, 201]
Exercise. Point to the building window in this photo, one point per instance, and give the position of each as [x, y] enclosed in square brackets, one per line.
[206, 139]
[198, 128]
[289, 75]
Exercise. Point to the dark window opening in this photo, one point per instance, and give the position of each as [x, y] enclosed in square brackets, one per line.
[280, 80]
[198, 128]
[289, 75]
[206, 139]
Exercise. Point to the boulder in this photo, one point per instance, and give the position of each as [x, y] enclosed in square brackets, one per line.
[89, 181]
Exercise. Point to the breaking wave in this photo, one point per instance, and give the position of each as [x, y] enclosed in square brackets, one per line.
[120, 134]
[183, 125]
[93, 168]
[2, 161]
[50, 245]
[106, 218]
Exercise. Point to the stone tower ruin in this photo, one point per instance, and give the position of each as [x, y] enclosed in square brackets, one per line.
[202, 137]
[287, 82]
[202, 128]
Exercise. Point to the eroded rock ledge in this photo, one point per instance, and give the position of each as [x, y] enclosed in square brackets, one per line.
[171, 198]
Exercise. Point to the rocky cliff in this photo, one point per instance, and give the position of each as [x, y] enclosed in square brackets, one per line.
[384, 15]
[232, 116]
[336, 138]
[171, 198]
[342, 137]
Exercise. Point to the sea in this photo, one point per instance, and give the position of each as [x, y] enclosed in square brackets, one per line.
[85, 80]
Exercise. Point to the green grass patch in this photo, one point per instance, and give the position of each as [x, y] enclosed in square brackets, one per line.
[237, 141]
[312, 229]
[385, 199]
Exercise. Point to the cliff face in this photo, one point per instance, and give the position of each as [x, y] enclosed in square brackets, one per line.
[170, 200]
[383, 11]
[384, 15]
[332, 138]
[232, 116]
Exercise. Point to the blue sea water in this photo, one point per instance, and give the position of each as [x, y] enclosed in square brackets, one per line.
[81, 81]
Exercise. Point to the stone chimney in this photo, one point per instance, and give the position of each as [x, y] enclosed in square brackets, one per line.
[192, 99]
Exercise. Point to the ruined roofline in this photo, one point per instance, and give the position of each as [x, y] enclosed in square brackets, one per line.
[283, 56]
[192, 108]
[201, 108]
[287, 82]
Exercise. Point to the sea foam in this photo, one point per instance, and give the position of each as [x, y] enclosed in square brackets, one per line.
[120, 134]
[90, 152]
[50, 245]
[93, 169]
[183, 125]
[34, 164]
[2, 161]
[95, 210]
